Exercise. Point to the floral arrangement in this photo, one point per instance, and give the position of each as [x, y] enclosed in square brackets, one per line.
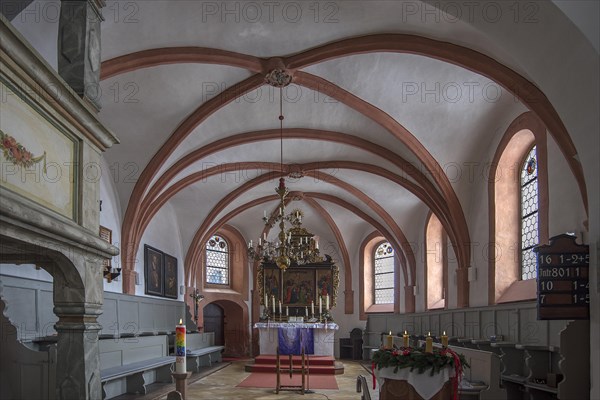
[16, 153]
[417, 358]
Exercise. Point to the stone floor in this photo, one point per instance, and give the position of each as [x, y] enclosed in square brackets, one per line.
[222, 385]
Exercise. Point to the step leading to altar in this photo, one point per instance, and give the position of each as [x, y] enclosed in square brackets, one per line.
[317, 365]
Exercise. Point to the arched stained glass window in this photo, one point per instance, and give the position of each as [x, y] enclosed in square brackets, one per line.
[383, 271]
[217, 261]
[529, 215]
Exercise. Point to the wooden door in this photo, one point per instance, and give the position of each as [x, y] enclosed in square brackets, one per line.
[213, 322]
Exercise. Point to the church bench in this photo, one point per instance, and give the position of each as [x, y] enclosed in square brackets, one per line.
[134, 374]
[482, 379]
[204, 357]
[130, 364]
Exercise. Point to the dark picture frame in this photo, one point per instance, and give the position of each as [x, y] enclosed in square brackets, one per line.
[171, 281]
[153, 271]
[272, 284]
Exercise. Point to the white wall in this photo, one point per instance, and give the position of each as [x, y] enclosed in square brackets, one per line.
[111, 217]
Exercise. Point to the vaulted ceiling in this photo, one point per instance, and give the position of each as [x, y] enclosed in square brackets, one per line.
[383, 117]
[184, 90]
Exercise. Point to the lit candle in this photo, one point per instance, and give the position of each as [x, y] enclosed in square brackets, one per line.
[250, 245]
[444, 339]
[317, 245]
[429, 343]
[180, 348]
[327, 302]
[389, 343]
[405, 339]
[320, 305]
[265, 214]
[312, 307]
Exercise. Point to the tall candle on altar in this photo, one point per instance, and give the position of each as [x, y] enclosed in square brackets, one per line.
[320, 305]
[405, 339]
[180, 348]
[273, 298]
[429, 343]
[389, 343]
[312, 307]
[327, 302]
[279, 307]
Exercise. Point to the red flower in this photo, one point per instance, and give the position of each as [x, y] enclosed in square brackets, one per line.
[9, 142]
[395, 353]
[15, 153]
[406, 352]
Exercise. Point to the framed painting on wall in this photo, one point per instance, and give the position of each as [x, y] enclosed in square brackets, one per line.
[153, 271]
[171, 277]
[298, 287]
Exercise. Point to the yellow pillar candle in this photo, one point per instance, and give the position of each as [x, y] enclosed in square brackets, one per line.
[444, 339]
[429, 343]
[405, 339]
[389, 342]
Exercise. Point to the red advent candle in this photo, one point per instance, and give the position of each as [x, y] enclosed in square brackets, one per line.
[180, 353]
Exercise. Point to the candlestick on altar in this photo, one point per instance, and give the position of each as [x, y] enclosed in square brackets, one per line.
[273, 298]
[327, 302]
[279, 307]
[306, 311]
[389, 343]
[287, 311]
[444, 339]
[429, 343]
[405, 342]
[180, 359]
[320, 305]
[312, 307]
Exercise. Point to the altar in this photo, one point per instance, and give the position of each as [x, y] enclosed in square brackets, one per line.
[323, 336]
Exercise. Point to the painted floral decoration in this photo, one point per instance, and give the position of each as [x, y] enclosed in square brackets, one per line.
[16, 153]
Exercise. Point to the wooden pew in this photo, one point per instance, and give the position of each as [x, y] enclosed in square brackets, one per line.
[129, 364]
[201, 351]
[485, 367]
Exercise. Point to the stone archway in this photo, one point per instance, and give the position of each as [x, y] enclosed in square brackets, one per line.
[235, 328]
[72, 255]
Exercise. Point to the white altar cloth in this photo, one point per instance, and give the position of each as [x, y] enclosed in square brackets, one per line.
[323, 335]
[424, 384]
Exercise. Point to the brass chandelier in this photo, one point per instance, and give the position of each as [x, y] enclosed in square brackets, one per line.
[296, 246]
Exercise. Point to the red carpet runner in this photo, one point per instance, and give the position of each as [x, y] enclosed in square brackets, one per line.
[318, 365]
[268, 380]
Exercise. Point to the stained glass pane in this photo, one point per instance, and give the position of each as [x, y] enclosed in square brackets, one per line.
[384, 274]
[217, 261]
[529, 215]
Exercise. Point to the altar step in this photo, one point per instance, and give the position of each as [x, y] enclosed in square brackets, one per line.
[318, 365]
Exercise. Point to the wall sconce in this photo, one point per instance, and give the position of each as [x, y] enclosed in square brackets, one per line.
[111, 274]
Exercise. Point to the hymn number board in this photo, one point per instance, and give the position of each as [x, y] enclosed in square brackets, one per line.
[563, 279]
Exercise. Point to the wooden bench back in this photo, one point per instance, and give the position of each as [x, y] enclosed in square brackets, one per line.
[195, 341]
[123, 351]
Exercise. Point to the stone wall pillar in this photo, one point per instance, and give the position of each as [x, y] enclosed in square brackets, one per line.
[78, 361]
[79, 47]
[78, 297]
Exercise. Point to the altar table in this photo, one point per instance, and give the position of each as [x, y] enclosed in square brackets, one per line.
[323, 336]
[408, 385]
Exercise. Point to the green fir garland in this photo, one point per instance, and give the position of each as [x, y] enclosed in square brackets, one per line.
[417, 358]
